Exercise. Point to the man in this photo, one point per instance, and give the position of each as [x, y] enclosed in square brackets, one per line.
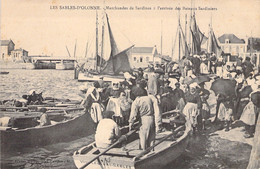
[137, 90]
[147, 108]
[247, 67]
[140, 74]
[107, 131]
[178, 92]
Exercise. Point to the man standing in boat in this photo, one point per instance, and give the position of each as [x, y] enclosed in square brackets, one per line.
[147, 108]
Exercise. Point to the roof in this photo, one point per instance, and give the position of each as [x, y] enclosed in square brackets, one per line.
[165, 57]
[6, 42]
[20, 50]
[142, 49]
[232, 38]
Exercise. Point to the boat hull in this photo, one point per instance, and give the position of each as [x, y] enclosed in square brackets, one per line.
[82, 77]
[44, 65]
[152, 160]
[71, 129]
[65, 66]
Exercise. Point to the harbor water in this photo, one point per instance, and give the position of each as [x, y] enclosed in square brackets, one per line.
[207, 150]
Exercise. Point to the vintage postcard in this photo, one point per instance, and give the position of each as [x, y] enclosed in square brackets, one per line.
[138, 84]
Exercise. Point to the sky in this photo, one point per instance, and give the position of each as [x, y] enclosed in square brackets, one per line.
[38, 28]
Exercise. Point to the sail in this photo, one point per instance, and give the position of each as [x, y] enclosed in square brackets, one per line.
[213, 46]
[198, 38]
[118, 61]
[181, 48]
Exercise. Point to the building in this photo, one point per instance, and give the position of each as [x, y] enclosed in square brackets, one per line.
[7, 46]
[20, 55]
[230, 44]
[141, 57]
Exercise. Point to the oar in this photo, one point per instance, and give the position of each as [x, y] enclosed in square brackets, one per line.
[120, 140]
[163, 139]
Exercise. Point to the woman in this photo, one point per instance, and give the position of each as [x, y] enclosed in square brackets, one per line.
[168, 102]
[193, 106]
[92, 103]
[225, 112]
[250, 115]
[205, 110]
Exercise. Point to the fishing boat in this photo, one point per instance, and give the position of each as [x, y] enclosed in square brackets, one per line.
[112, 60]
[4, 73]
[167, 147]
[67, 123]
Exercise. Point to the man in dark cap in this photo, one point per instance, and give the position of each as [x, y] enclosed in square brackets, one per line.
[107, 130]
[140, 74]
[247, 67]
[137, 90]
[178, 92]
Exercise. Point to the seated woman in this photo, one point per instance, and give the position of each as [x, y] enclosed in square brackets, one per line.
[44, 119]
[107, 131]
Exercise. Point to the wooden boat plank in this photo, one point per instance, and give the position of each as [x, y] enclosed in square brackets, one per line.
[119, 151]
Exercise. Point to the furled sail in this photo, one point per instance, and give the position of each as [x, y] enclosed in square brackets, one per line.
[212, 46]
[181, 49]
[198, 38]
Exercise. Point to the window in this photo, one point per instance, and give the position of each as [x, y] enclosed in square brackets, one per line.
[147, 58]
[226, 40]
[3, 56]
[141, 59]
[237, 49]
[134, 58]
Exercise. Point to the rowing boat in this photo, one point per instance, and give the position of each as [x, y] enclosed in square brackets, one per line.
[67, 126]
[167, 147]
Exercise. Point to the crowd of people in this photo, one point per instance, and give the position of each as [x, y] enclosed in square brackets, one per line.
[144, 97]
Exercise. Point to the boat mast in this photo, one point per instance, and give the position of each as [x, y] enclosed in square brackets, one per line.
[185, 29]
[68, 51]
[102, 40]
[190, 36]
[96, 40]
[251, 45]
[75, 49]
[86, 50]
[179, 22]
[161, 36]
